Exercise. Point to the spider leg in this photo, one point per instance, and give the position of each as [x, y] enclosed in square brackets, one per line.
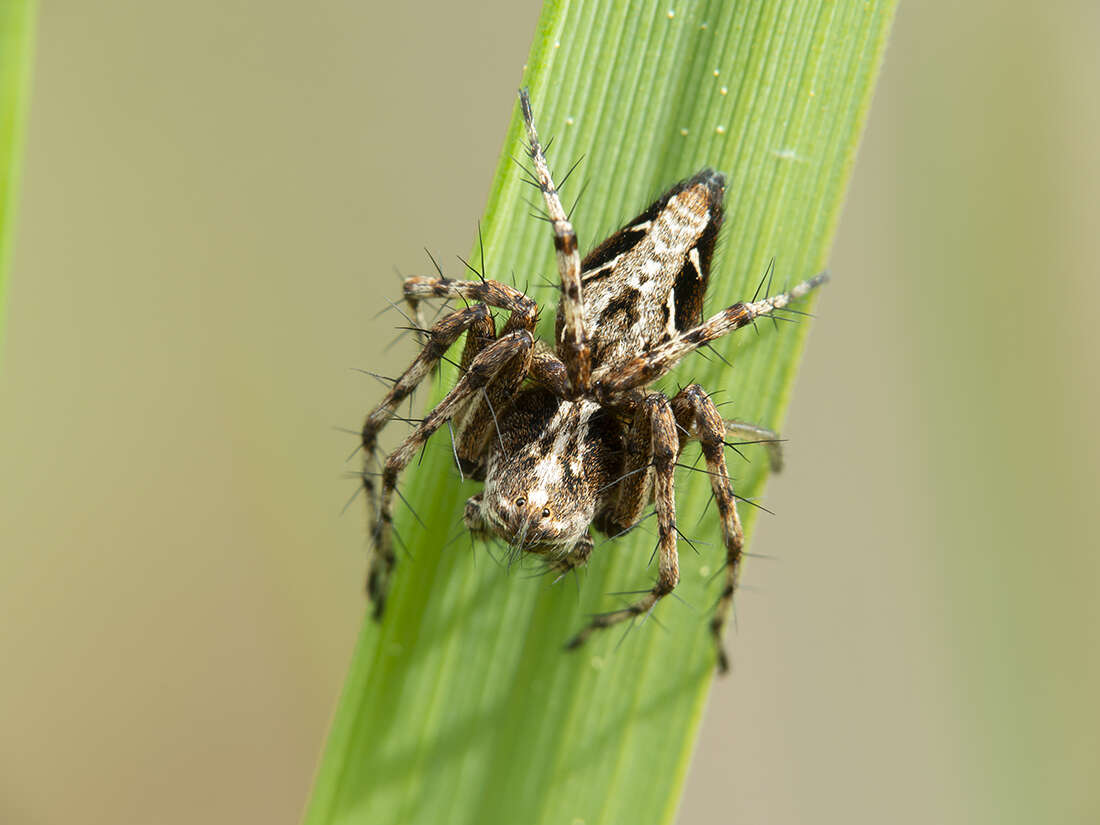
[650, 366]
[697, 414]
[495, 294]
[573, 345]
[440, 337]
[629, 493]
[473, 422]
[662, 449]
[477, 423]
[505, 360]
[524, 314]
[481, 333]
[468, 417]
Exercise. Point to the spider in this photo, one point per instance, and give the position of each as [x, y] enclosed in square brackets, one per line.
[570, 437]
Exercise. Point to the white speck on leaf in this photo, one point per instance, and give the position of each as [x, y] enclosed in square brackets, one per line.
[788, 154]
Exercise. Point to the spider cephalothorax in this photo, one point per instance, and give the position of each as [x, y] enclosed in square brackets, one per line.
[569, 439]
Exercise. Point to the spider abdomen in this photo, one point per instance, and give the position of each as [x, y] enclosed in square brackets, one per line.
[647, 281]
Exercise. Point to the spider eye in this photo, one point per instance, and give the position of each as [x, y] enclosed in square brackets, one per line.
[520, 502]
[546, 512]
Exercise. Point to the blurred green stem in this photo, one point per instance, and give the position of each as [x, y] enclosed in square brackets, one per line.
[16, 33]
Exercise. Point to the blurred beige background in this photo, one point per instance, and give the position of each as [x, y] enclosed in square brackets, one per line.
[214, 199]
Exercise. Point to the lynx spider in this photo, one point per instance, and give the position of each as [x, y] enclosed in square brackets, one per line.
[570, 438]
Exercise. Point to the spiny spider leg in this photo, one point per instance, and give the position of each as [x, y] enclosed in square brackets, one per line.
[650, 366]
[573, 346]
[663, 448]
[440, 337]
[474, 423]
[471, 420]
[506, 360]
[630, 491]
[696, 413]
[495, 294]
[478, 420]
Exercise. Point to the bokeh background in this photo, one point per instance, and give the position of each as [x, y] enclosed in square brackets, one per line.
[214, 199]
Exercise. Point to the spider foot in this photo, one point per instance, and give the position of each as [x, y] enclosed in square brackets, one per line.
[379, 572]
[602, 621]
[722, 660]
[378, 585]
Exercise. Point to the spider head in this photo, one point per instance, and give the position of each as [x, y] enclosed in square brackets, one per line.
[529, 510]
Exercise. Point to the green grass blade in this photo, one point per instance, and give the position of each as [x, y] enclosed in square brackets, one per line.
[461, 707]
[16, 30]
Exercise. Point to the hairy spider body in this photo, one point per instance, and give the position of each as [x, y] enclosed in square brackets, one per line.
[570, 438]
